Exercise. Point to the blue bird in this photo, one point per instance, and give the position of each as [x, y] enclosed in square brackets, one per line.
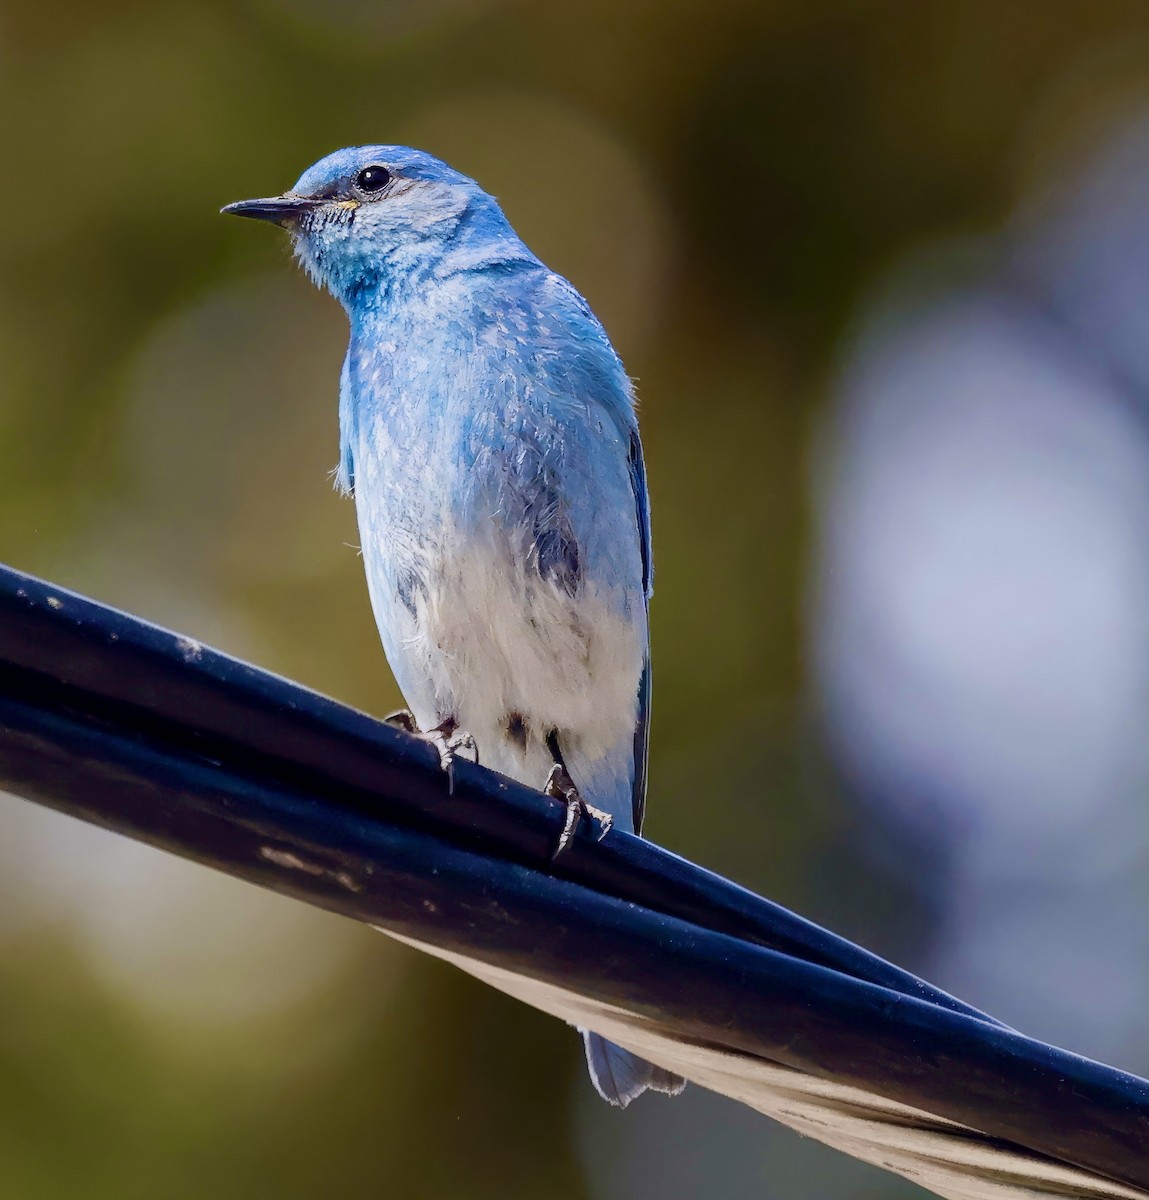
[488, 435]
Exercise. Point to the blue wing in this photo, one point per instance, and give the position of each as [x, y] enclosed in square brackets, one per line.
[602, 375]
[642, 725]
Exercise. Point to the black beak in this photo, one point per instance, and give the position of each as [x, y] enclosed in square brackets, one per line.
[280, 210]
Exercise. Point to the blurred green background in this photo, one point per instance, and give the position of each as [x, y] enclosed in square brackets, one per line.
[726, 182]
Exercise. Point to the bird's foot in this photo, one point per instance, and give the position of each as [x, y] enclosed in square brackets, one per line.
[560, 786]
[447, 738]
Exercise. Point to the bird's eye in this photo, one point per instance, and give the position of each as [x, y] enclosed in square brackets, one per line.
[372, 179]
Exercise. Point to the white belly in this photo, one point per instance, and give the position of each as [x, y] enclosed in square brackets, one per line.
[511, 657]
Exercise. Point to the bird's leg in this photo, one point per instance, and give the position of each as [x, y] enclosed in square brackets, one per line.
[561, 786]
[447, 738]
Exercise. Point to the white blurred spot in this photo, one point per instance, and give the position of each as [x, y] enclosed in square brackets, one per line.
[178, 940]
[982, 637]
[984, 632]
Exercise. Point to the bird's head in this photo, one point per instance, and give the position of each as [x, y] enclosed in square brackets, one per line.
[372, 216]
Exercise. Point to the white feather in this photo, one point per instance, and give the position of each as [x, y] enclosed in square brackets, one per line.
[489, 637]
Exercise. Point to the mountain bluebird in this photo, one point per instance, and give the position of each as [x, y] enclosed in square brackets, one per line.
[488, 435]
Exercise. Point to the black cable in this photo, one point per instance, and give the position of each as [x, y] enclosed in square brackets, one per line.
[154, 736]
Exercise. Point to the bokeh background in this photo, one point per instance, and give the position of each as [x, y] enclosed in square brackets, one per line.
[881, 270]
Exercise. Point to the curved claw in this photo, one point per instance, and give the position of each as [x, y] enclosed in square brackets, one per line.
[560, 786]
[447, 738]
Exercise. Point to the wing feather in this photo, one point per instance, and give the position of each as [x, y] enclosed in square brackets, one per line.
[642, 724]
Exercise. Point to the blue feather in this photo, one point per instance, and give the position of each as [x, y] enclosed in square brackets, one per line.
[488, 434]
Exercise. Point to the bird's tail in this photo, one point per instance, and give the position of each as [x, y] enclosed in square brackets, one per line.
[619, 1076]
